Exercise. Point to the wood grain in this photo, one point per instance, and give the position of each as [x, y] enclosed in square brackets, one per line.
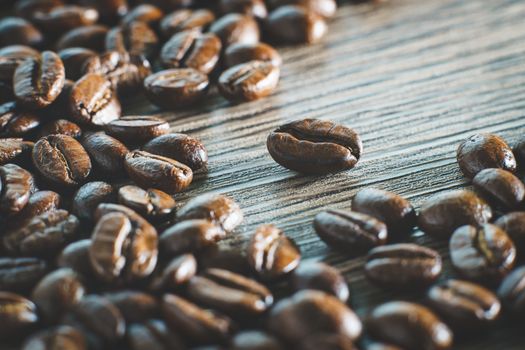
[414, 78]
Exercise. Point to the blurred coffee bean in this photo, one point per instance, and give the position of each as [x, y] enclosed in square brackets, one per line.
[13, 149]
[110, 10]
[89, 196]
[60, 19]
[512, 292]
[91, 37]
[135, 129]
[147, 13]
[153, 204]
[21, 274]
[16, 186]
[136, 38]
[27, 8]
[11, 56]
[154, 335]
[180, 147]
[60, 337]
[190, 236]
[236, 28]
[134, 306]
[225, 258]
[255, 340]
[320, 276]
[292, 24]
[18, 31]
[76, 256]
[327, 342]
[514, 225]
[501, 188]
[17, 315]
[254, 8]
[176, 273]
[241, 53]
[61, 127]
[16, 122]
[325, 8]
[106, 153]
[186, 19]
[39, 203]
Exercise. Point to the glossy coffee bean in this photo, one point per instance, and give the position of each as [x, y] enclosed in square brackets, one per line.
[463, 305]
[134, 129]
[308, 313]
[134, 306]
[395, 211]
[271, 254]
[13, 149]
[17, 184]
[241, 53]
[484, 253]
[249, 81]
[151, 203]
[403, 266]
[18, 31]
[89, 196]
[186, 19]
[293, 24]
[144, 13]
[181, 147]
[153, 334]
[236, 28]
[254, 8]
[16, 122]
[74, 59]
[89, 37]
[482, 151]
[63, 18]
[441, 214]
[60, 337]
[409, 326]
[17, 315]
[325, 8]
[512, 292]
[107, 153]
[61, 127]
[76, 257]
[221, 257]
[500, 187]
[110, 10]
[136, 38]
[176, 273]
[348, 231]
[93, 102]
[21, 274]
[320, 276]
[514, 225]
[315, 146]
[190, 236]
[39, 202]
[255, 340]
[176, 88]
[11, 56]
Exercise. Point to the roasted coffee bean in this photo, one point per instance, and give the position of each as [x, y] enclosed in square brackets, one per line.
[134, 306]
[134, 129]
[403, 266]
[11, 56]
[61, 127]
[484, 253]
[308, 313]
[21, 274]
[27, 8]
[56, 293]
[76, 257]
[60, 337]
[180, 147]
[153, 204]
[514, 225]
[315, 146]
[45, 235]
[74, 59]
[410, 326]
[512, 292]
[17, 315]
[271, 254]
[186, 19]
[241, 53]
[395, 211]
[327, 342]
[249, 81]
[293, 24]
[15, 122]
[90, 37]
[62, 160]
[190, 236]
[144, 13]
[150, 170]
[176, 88]
[320, 276]
[136, 38]
[500, 187]
[236, 28]
[89, 196]
[482, 151]
[39, 203]
[441, 214]
[106, 152]
[154, 334]
[12, 149]
[255, 340]
[351, 232]
[325, 8]
[18, 31]
[16, 186]
[93, 102]
[197, 324]
[254, 8]
[63, 18]
[178, 272]
[463, 305]
[221, 257]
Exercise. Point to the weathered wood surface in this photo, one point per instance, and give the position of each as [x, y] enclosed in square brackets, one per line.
[414, 78]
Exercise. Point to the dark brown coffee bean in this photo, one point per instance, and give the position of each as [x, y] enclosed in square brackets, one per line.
[176, 88]
[63, 18]
[271, 254]
[16, 185]
[315, 146]
[514, 225]
[27, 8]
[154, 334]
[11, 56]
[410, 326]
[255, 340]
[153, 204]
[74, 59]
[482, 151]
[348, 231]
[241, 53]
[110, 10]
[292, 24]
[186, 19]
[17, 315]
[500, 187]
[254, 8]
[61, 337]
[143, 13]
[403, 266]
[15, 122]
[18, 31]
[76, 256]
[61, 127]
[89, 196]
[90, 37]
[136, 38]
[21, 274]
[325, 8]
[463, 305]
[178, 272]
[236, 28]
[327, 342]
[106, 152]
[134, 306]
[135, 129]
[249, 81]
[443, 213]
[12, 149]
[485, 253]
[93, 102]
[512, 291]
[180, 147]
[190, 236]
[320, 276]
[39, 203]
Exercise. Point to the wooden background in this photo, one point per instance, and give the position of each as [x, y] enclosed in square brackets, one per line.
[414, 78]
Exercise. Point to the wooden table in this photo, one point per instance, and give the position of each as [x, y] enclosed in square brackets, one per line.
[414, 78]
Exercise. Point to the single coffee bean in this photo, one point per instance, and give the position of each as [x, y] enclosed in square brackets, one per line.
[180, 147]
[221, 257]
[134, 306]
[482, 151]
[241, 53]
[135, 129]
[74, 59]
[463, 305]
[395, 211]
[308, 313]
[315, 146]
[271, 254]
[514, 225]
[89, 196]
[443, 213]
[18, 31]
[153, 204]
[21, 274]
[255, 340]
[60, 19]
[249, 81]
[16, 185]
[176, 88]
[320, 276]
[90, 37]
[190, 236]
[409, 326]
[403, 266]
[325, 8]
[186, 19]
[106, 152]
[348, 231]
[236, 28]
[512, 292]
[12, 149]
[110, 10]
[61, 127]
[177, 273]
[17, 315]
[293, 24]
[39, 202]
[254, 8]
[136, 38]
[15, 122]
[11, 56]
[76, 256]
[484, 253]
[93, 102]
[60, 337]
[500, 187]
[153, 334]
[327, 342]
[144, 13]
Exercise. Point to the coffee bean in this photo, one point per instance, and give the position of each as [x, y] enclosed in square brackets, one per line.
[485, 253]
[514, 225]
[39, 202]
[292, 24]
[60, 106]
[154, 334]
[325, 8]
[76, 257]
[150, 170]
[11, 56]
[134, 306]
[27, 8]
[74, 59]
[18, 31]
[410, 326]
[271, 254]
[134, 129]
[90, 37]
[221, 257]
[320, 276]
[500, 187]
[482, 151]
[15, 122]
[190, 236]
[136, 38]
[254, 8]
[395, 211]
[185, 19]
[176, 88]
[21, 274]
[518, 151]
[60, 19]
[61, 127]
[327, 342]
[241, 53]
[351, 232]
[93, 101]
[106, 152]
[60, 337]
[110, 10]
[89, 196]
[309, 313]
[512, 291]
[145, 13]
[249, 81]
[463, 305]
[180, 147]
[236, 28]
[177, 273]
[16, 186]
[255, 340]
[153, 204]
[403, 266]
[12, 149]
[441, 214]
[17, 315]
[315, 146]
